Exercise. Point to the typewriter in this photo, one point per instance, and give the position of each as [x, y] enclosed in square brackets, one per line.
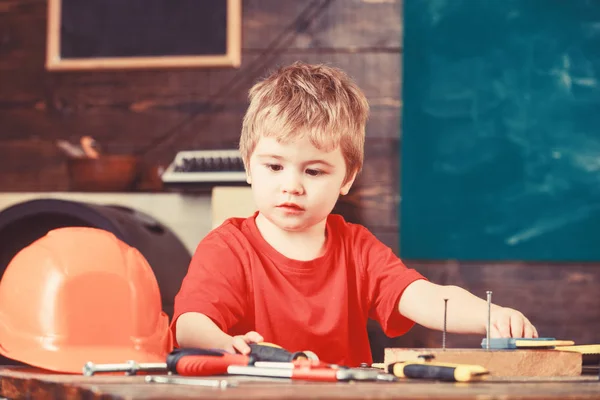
[205, 168]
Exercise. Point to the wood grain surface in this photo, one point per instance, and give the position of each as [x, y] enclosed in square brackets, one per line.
[19, 384]
[500, 363]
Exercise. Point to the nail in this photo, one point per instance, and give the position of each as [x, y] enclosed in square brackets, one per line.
[489, 318]
[445, 314]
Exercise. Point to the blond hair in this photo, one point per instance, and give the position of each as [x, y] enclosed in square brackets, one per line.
[302, 99]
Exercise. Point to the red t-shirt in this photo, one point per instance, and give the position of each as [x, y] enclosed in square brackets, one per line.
[243, 284]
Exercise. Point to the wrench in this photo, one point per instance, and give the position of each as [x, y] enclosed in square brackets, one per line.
[130, 367]
[216, 383]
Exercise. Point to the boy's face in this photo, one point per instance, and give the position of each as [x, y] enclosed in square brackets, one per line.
[296, 185]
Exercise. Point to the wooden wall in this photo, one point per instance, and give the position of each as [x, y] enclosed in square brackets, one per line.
[155, 113]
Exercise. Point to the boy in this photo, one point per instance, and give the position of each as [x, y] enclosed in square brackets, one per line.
[294, 275]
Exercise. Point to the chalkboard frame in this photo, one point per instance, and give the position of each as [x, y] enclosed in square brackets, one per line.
[231, 58]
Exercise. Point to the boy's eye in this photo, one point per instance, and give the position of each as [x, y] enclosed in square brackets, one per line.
[274, 167]
[314, 172]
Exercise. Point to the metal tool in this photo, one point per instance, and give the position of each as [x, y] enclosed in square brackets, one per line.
[203, 362]
[130, 367]
[383, 376]
[524, 343]
[169, 379]
[489, 318]
[309, 374]
[444, 334]
[310, 370]
[373, 373]
[186, 362]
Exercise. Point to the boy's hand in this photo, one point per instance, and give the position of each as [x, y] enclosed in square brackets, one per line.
[506, 322]
[240, 343]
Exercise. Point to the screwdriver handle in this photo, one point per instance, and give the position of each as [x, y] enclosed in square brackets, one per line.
[208, 365]
[439, 371]
[201, 362]
[265, 351]
[270, 352]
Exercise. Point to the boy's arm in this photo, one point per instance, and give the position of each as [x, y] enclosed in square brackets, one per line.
[213, 297]
[423, 302]
[191, 323]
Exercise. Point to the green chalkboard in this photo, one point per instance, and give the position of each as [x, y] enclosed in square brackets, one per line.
[500, 149]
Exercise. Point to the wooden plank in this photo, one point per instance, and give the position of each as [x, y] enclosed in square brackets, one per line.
[144, 107]
[373, 199]
[32, 165]
[366, 69]
[500, 363]
[23, 33]
[348, 24]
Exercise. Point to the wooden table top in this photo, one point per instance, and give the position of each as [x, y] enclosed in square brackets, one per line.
[19, 382]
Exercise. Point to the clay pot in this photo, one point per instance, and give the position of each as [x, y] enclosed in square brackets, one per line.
[107, 173]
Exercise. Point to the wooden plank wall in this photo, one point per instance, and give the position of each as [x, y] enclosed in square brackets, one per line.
[155, 113]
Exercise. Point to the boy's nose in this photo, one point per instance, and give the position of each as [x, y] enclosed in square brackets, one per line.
[293, 185]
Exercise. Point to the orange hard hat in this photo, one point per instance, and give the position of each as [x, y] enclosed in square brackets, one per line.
[78, 295]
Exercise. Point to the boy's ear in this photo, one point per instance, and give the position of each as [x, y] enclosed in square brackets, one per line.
[346, 187]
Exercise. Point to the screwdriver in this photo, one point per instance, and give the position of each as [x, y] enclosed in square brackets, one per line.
[200, 362]
[266, 351]
[182, 361]
[308, 370]
[438, 371]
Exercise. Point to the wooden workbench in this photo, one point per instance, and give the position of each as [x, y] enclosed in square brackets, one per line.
[20, 383]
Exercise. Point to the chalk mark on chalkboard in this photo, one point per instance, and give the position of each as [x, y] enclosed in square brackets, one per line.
[567, 77]
[547, 225]
[436, 10]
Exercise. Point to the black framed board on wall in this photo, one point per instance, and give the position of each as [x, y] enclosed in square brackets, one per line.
[133, 34]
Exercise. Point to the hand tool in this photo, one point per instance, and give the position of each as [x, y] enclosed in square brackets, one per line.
[383, 376]
[130, 367]
[169, 379]
[489, 318]
[583, 348]
[438, 371]
[318, 374]
[183, 361]
[265, 351]
[523, 343]
[201, 362]
[311, 370]
[444, 334]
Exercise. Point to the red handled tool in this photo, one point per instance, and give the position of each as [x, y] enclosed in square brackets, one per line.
[309, 370]
[186, 362]
[203, 362]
